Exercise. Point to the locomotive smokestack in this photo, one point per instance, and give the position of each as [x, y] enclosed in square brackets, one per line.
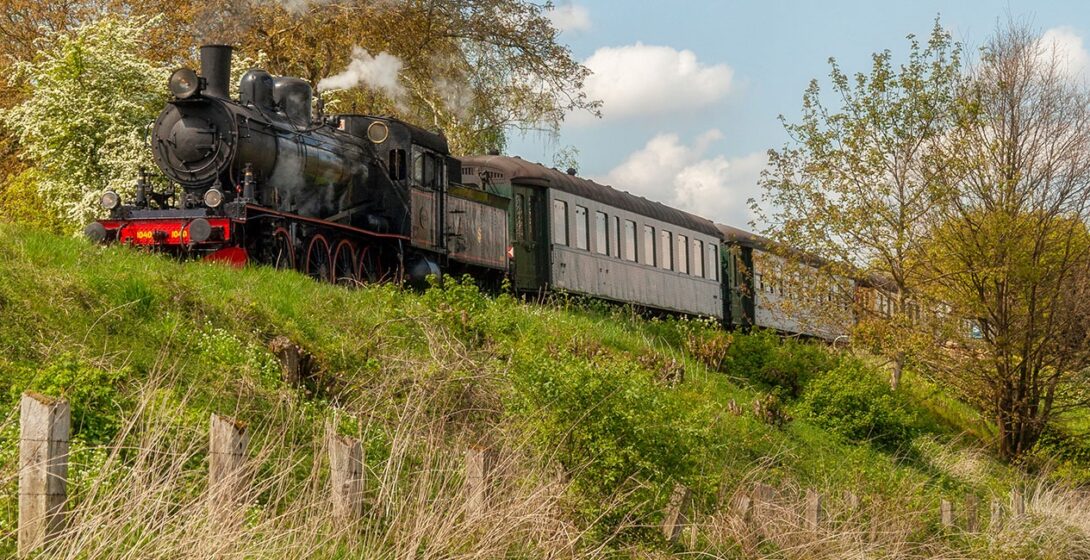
[216, 69]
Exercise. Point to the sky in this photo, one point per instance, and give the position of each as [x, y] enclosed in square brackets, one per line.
[692, 90]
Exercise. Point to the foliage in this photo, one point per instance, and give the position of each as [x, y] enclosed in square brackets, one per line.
[471, 68]
[787, 364]
[90, 97]
[94, 396]
[852, 187]
[853, 401]
[613, 428]
[21, 201]
[1011, 252]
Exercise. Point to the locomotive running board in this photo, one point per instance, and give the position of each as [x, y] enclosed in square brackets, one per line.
[326, 223]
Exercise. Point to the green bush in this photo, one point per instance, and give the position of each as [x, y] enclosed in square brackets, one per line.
[854, 401]
[614, 430]
[788, 364]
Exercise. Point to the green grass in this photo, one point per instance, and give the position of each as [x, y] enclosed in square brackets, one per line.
[578, 385]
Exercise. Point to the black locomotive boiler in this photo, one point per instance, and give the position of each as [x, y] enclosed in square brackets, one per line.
[341, 197]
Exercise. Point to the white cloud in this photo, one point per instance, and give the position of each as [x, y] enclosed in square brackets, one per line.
[1067, 47]
[687, 177]
[641, 80]
[569, 17]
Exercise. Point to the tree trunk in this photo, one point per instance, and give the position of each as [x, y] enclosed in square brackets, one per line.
[898, 367]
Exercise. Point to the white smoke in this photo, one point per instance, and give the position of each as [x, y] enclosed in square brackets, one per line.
[378, 72]
[298, 7]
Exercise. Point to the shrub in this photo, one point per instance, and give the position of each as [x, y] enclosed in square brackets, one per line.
[854, 401]
[623, 439]
[788, 365]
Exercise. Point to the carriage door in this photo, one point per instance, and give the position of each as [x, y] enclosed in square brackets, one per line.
[529, 238]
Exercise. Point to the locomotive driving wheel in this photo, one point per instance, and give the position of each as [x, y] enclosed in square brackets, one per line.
[368, 265]
[318, 264]
[344, 263]
[283, 251]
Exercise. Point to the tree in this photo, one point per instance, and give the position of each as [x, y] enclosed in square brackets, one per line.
[89, 97]
[852, 188]
[470, 68]
[1012, 251]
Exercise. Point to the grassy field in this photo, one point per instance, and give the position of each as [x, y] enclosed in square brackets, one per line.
[596, 412]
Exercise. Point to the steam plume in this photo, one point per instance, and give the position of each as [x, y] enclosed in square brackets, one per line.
[377, 72]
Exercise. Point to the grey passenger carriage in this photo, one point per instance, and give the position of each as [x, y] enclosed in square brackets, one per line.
[576, 235]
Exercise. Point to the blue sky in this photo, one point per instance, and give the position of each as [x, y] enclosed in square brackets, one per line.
[693, 89]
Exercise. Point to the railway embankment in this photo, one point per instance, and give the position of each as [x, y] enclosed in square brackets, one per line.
[462, 424]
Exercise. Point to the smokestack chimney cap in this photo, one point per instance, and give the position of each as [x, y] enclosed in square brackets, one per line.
[216, 69]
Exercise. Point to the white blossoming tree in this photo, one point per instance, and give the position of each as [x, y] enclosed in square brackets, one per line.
[90, 99]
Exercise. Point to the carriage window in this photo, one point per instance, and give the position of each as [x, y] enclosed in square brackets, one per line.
[649, 245]
[630, 240]
[397, 165]
[520, 217]
[711, 267]
[601, 233]
[560, 222]
[698, 258]
[682, 254]
[616, 236]
[667, 251]
[581, 229]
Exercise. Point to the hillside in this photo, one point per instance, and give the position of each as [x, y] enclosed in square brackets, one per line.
[596, 414]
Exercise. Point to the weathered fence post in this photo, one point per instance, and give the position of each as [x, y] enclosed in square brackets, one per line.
[1018, 503]
[227, 458]
[946, 509]
[995, 521]
[294, 361]
[763, 498]
[479, 464]
[44, 425]
[745, 508]
[851, 501]
[346, 476]
[677, 513]
[814, 511]
[972, 507]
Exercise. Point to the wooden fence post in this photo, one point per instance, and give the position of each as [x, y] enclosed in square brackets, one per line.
[677, 513]
[44, 425]
[346, 476]
[1018, 503]
[813, 510]
[479, 464]
[972, 511]
[946, 509]
[995, 521]
[851, 501]
[763, 498]
[227, 458]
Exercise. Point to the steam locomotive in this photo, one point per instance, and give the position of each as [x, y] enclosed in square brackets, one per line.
[341, 198]
[357, 198]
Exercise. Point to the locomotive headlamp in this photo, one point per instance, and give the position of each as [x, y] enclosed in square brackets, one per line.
[184, 83]
[110, 200]
[213, 198]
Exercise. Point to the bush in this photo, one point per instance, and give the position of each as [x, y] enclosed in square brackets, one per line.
[613, 429]
[787, 364]
[854, 401]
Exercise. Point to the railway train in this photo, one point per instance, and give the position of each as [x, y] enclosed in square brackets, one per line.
[358, 198]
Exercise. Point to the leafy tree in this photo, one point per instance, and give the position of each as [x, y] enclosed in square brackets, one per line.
[471, 68]
[852, 187]
[89, 98]
[1012, 250]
